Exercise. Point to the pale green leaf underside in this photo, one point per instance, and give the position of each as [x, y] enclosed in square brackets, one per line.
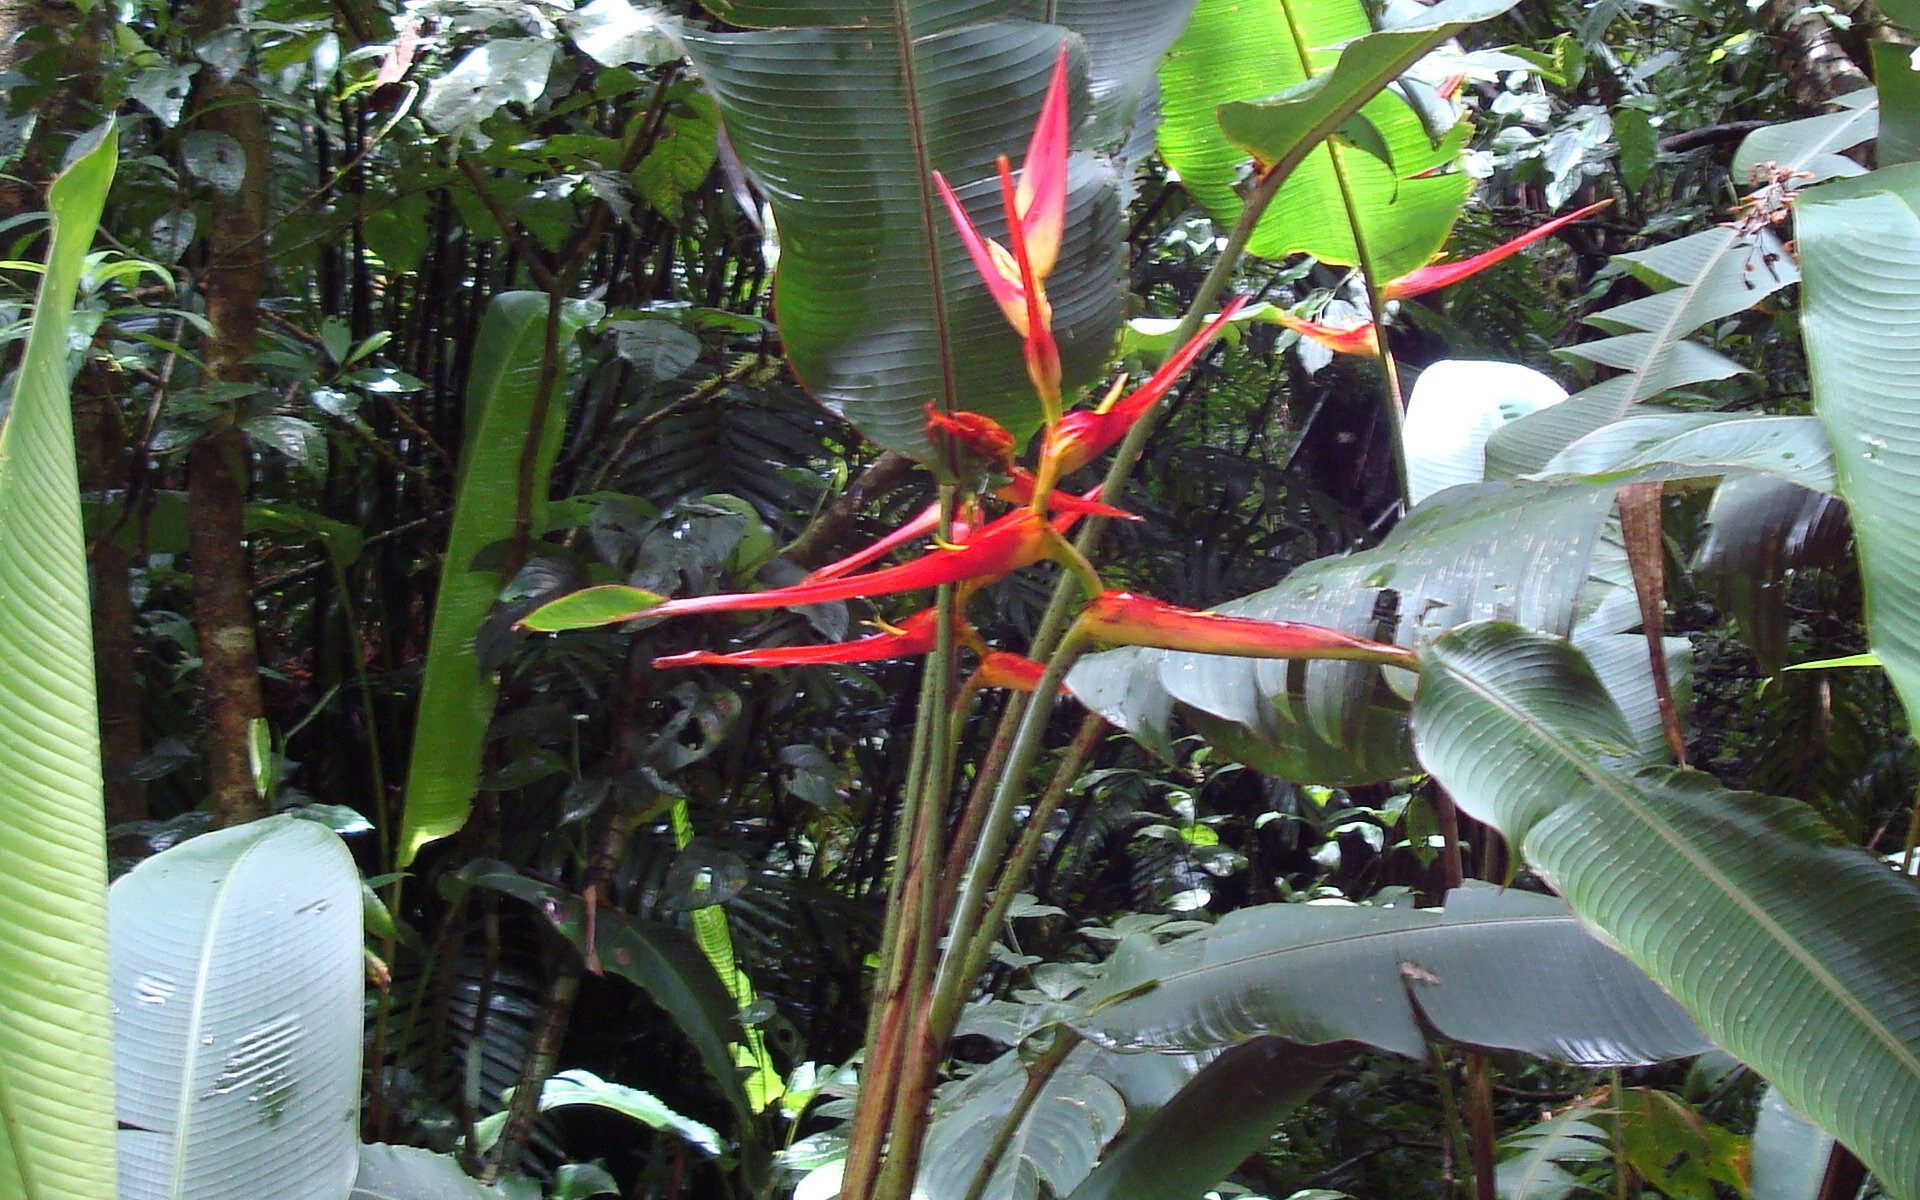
[1794, 951]
[237, 978]
[56, 1078]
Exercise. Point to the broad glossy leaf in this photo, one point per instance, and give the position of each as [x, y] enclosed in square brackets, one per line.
[843, 115]
[237, 979]
[1860, 239]
[456, 696]
[1666, 446]
[1701, 278]
[1518, 552]
[1760, 530]
[1215, 1123]
[56, 1075]
[1235, 50]
[1286, 125]
[1712, 892]
[1505, 970]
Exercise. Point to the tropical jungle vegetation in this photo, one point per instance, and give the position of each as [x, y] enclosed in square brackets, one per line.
[970, 599]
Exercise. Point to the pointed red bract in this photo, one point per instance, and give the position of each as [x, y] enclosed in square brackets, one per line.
[1016, 540]
[1084, 435]
[1130, 620]
[1040, 203]
[1439, 275]
[914, 636]
[1001, 669]
[1362, 339]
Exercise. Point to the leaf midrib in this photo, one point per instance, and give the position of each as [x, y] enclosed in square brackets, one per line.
[1606, 784]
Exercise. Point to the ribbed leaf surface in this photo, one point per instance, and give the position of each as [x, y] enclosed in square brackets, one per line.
[842, 114]
[1494, 550]
[1055, 1147]
[1792, 950]
[1861, 243]
[1701, 278]
[1669, 446]
[56, 1114]
[1505, 970]
[237, 979]
[456, 696]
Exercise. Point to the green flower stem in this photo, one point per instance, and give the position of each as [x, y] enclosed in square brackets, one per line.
[951, 981]
[1014, 873]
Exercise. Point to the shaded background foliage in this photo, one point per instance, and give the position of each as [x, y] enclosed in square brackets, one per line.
[692, 458]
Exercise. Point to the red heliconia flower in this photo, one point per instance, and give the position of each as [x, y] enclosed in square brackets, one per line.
[1036, 210]
[1129, 620]
[914, 636]
[1362, 339]
[973, 434]
[1084, 435]
[1018, 539]
[1002, 669]
[1438, 275]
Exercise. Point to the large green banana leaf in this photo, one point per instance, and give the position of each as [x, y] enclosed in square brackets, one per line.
[1860, 245]
[1793, 950]
[1500, 969]
[56, 1101]
[1701, 278]
[237, 978]
[456, 696]
[843, 111]
[1658, 445]
[1239, 51]
[1523, 552]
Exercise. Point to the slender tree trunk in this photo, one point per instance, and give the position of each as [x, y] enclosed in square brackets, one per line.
[100, 438]
[217, 469]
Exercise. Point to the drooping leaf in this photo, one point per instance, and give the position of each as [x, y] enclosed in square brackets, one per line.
[1235, 51]
[1707, 890]
[1505, 970]
[503, 411]
[1215, 1123]
[497, 72]
[56, 1076]
[659, 959]
[843, 115]
[1760, 530]
[1534, 1169]
[1701, 278]
[569, 1089]
[1860, 239]
[237, 979]
[1669, 446]
[1054, 1148]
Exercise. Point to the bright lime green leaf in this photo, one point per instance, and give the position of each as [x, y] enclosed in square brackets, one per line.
[56, 1075]
[1843, 662]
[1247, 51]
[590, 608]
[503, 412]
